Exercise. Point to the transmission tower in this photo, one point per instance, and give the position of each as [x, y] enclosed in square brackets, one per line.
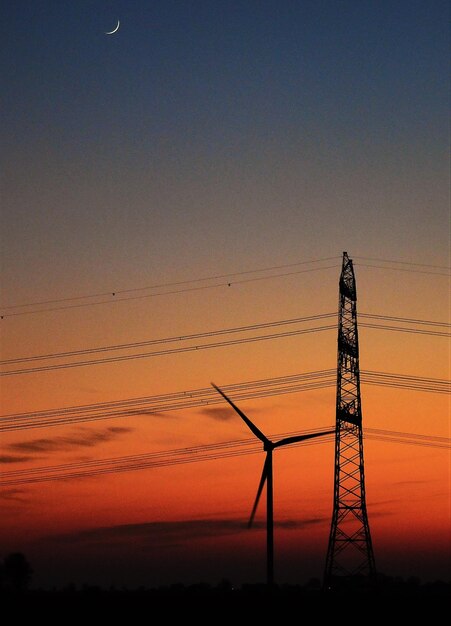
[350, 555]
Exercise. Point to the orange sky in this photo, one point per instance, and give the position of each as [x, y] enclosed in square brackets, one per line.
[407, 486]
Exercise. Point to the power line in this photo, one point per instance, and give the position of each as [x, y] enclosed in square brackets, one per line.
[368, 258]
[112, 295]
[207, 346]
[212, 447]
[215, 333]
[235, 387]
[167, 402]
[201, 453]
[403, 269]
[167, 351]
[177, 338]
[416, 436]
[115, 292]
[404, 320]
[204, 397]
[120, 465]
[192, 454]
[400, 329]
[227, 283]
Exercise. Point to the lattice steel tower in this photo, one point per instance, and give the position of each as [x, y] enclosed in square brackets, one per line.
[350, 552]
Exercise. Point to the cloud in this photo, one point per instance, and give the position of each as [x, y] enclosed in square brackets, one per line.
[383, 508]
[169, 533]
[82, 438]
[16, 458]
[13, 494]
[221, 414]
[149, 413]
[226, 413]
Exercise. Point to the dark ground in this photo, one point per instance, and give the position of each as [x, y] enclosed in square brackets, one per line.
[392, 598]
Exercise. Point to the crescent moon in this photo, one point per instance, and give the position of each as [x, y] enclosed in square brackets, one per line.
[115, 30]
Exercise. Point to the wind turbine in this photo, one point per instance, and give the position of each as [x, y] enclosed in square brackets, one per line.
[267, 476]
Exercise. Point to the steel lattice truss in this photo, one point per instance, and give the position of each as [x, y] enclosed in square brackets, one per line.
[350, 552]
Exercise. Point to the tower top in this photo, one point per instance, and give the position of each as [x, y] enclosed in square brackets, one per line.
[347, 279]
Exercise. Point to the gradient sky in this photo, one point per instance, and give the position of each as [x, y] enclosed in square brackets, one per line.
[208, 138]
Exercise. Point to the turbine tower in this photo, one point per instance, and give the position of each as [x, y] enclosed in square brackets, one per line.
[350, 552]
[267, 477]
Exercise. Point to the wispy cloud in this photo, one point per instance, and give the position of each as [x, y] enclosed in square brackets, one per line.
[383, 508]
[149, 413]
[13, 494]
[15, 458]
[222, 414]
[164, 533]
[81, 438]
[225, 413]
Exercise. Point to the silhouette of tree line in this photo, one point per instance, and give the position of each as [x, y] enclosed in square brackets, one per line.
[16, 575]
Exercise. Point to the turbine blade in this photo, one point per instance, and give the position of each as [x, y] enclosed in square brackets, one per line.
[257, 432]
[259, 491]
[288, 440]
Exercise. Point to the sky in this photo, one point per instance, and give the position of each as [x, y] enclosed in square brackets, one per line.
[203, 169]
